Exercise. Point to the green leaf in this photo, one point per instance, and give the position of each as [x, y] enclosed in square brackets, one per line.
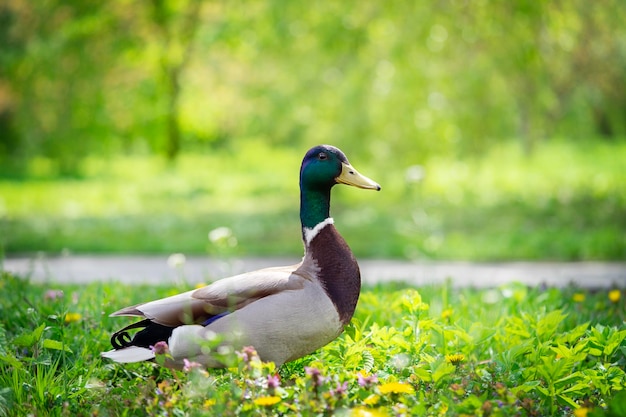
[595, 352]
[575, 334]
[427, 358]
[11, 360]
[3, 340]
[29, 339]
[423, 374]
[562, 351]
[368, 360]
[615, 339]
[38, 332]
[571, 378]
[568, 401]
[525, 387]
[55, 345]
[542, 390]
[577, 388]
[443, 369]
[610, 348]
[24, 340]
[547, 325]
[472, 403]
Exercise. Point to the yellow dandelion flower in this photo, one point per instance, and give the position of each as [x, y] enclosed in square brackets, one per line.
[371, 400]
[614, 295]
[163, 386]
[581, 412]
[72, 317]
[455, 359]
[579, 297]
[209, 403]
[200, 285]
[267, 401]
[447, 313]
[395, 388]
[365, 412]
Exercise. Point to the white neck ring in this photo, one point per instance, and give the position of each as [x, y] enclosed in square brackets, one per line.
[309, 234]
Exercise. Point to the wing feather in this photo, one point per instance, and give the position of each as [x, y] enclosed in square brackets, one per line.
[228, 294]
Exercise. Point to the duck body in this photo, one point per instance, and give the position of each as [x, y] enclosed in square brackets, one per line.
[283, 312]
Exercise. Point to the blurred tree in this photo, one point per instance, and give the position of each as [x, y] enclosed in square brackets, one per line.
[176, 23]
[597, 52]
[54, 60]
[84, 77]
[9, 49]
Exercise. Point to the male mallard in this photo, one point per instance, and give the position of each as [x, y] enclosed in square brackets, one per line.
[283, 312]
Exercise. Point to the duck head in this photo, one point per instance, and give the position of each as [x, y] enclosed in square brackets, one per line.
[324, 166]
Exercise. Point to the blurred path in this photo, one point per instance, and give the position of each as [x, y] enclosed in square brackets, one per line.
[155, 269]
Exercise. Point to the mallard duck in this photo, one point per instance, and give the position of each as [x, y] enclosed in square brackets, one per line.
[283, 312]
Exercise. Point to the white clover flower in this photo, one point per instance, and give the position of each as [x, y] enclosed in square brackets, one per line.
[415, 174]
[221, 233]
[176, 260]
[223, 236]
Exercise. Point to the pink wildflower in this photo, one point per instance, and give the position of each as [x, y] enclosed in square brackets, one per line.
[160, 348]
[340, 390]
[248, 353]
[366, 380]
[273, 381]
[189, 365]
[53, 295]
[315, 374]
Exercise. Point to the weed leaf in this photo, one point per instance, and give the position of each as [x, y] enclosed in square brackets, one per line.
[11, 360]
[55, 345]
[29, 340]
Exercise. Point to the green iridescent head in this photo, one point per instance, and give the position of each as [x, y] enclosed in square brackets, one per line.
[324, 166]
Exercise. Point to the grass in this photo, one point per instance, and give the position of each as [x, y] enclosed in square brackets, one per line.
[508, 351]
[565, 202]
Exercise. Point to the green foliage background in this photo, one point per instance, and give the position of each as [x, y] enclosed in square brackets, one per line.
[400, 77]
[515, 110]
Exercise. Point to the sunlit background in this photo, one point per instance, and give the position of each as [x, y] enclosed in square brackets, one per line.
[496, 128]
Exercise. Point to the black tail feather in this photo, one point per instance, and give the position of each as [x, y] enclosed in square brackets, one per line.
[148, 336]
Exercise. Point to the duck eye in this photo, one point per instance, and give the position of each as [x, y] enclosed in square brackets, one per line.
[322, 156]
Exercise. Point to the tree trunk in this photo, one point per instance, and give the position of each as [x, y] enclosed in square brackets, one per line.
[172, 66]
[173, 125]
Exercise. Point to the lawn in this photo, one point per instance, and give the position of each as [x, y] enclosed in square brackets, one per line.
[432, 351]
[567, 201]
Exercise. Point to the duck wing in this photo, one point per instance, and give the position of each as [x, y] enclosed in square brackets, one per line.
[221, 297]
